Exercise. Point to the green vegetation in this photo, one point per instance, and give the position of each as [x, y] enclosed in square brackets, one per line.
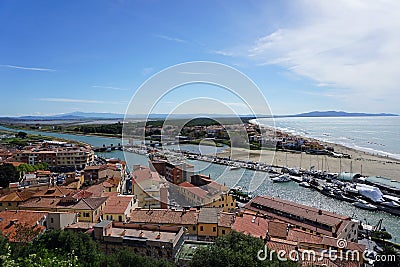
[25, 168]
[11, 174]
[235, 249]
[67, 248]
[8, 174]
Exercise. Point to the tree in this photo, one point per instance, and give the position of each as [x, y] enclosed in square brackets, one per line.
[84, 247]
[22, 135]
[8, 174]
[235, 249]
[126, 258]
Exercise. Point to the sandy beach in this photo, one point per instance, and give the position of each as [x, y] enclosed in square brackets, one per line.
[360, 162]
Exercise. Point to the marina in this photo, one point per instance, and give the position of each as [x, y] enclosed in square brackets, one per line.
[256, 180]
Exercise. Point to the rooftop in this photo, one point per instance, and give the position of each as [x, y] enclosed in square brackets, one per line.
[298, 210]
[209, 215]
[11, 221]
[165, 216]
[90, 203]
[117, 204]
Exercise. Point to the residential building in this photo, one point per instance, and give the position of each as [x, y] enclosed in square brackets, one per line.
[118, 208]
[90, 209]
[203, 191]
[184, 218]
[57, 155]
[175, 173]
[12, 200]
[306, 218]
[151, 241]
[146, 186]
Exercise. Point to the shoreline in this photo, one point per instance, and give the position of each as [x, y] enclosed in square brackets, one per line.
[368, 150]
[363, 162]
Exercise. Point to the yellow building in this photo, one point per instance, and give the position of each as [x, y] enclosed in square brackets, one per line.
[146, 186]
[89, 209]
[12, 200]
[118, 208]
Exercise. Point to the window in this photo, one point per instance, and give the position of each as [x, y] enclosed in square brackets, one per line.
[194, 228]
[9, 204]
[120, 218]
[86, 214]
[201, 228]
[1, 204]
[52, 220]
[223, 232]
[214, 229]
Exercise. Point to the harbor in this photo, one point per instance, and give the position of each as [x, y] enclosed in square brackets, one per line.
[255, 181]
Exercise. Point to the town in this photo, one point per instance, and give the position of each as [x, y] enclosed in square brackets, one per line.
[163, 210]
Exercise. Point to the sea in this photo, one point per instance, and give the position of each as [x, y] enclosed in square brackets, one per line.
[373, 134]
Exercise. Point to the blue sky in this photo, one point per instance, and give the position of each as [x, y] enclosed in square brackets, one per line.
[64, 56]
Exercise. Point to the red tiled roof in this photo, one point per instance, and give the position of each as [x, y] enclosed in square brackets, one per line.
[117, 204]
[226, 219]
[300, 210]
[96, 190]
[11, 219]
[143, 173]
[90, 203]
[56, 191]
[164, 216]
[18, 196]
[245, 224]
[186, 184]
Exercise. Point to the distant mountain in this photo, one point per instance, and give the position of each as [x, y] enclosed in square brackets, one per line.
[339, 114]
[115, 116]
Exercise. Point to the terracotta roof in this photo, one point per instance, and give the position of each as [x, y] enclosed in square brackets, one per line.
[245, 224]
[226, 219]
[42, 203]
[117, 204]
[96, 190]
[197, 191]
[18, 196]
[277, 229]
[143, 173]
[90, 203]
[302, 211]
[82, 194]
[11, 219]
[165, 216]
[56, 191]
[186, 184]
[95, 167]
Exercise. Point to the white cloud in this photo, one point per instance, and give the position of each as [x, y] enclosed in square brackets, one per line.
[70, 100]
[352, 45]
[110, 87]
[26, 68]
[169, 38]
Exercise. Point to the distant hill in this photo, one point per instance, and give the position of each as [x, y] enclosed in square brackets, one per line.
[115, 116]
[338, 114]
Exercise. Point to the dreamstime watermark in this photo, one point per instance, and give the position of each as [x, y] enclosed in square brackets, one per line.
[331, 254]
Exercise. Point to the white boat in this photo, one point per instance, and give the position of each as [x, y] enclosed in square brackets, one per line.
[304, 184]
[350, 190]
[391, 204]
[234, 167]
[281, 179]
[362, 204]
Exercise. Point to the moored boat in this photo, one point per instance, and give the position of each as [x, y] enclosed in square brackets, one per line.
[362, 204]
